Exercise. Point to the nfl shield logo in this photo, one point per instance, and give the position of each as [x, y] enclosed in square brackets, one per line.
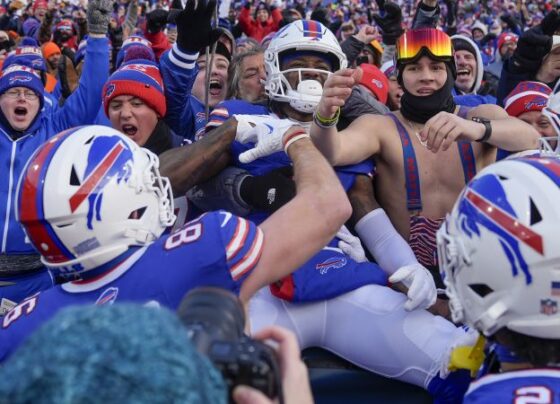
[549, 307]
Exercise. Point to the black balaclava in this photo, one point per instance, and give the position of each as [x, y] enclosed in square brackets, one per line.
[421, 108]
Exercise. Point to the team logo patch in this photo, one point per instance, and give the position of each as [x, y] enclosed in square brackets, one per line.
[19, 79]
[377, 83]
[110, 90]
[549, 307]
[108, 296]
[331, 263]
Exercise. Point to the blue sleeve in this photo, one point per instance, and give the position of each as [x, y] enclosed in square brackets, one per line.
[82, 106]
[243, 242]
[57, 92]
[179, 70]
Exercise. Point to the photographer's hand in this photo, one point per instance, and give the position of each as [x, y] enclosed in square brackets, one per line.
[295, 380]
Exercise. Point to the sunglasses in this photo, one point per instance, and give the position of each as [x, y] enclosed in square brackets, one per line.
[437, 42]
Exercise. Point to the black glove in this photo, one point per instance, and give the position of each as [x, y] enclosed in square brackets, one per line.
[512, 23]
[156, 20]
[194, 28]
[550, 24]
[390, 24]
[487, 38]
[269, 192]
[534, 45]
[98, 15]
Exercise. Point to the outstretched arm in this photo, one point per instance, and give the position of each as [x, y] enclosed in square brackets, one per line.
[352, 145]
[194, 163]
[294, 233]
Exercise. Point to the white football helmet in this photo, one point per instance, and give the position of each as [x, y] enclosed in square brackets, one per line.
[499, 249]
[89, 194]
[306, 36]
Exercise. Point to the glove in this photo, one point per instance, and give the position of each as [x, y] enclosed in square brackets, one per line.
[487, 38]
[267, 133]
[534, 45]
[510, 21]
[390, 24]
[351, 245]
[194, 28]
[420, 283]
[98, 15]
[156, 20]
[269, 192]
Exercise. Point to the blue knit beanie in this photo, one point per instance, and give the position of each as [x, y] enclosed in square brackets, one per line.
[22, 76]
[110, 354]
[30, 56]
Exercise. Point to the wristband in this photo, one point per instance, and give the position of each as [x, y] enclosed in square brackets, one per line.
[487, 128]
[294, 137]
[326, 123]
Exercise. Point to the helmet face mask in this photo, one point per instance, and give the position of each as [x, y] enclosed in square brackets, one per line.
[90, 194]
[499, 250]
[308, 37]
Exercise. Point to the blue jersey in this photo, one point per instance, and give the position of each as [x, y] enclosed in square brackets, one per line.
[330, 272]
[217, 249]
[520, 387]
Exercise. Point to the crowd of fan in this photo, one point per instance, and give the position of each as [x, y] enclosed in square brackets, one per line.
[157, 72]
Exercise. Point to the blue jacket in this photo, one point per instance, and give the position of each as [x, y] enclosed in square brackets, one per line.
[185, 113]
[80, 109]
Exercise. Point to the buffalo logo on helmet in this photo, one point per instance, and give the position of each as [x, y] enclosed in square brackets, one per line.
[109, 158]
[476, 211]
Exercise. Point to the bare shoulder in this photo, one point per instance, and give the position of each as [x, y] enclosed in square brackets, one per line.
[372, 125]
[489, 111]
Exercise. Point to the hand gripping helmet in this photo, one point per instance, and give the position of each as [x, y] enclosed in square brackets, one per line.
[305, 36]
[499, 249]
[89, 194]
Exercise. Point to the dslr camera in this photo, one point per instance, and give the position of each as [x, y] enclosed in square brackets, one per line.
[215, 320]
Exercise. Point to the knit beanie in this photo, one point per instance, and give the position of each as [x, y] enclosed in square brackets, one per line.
[133, 40]
[29, 56]
[112, 353]
[527, 96]
[506, 37]
[142, 80]
[21, 76]
[49, 49]
[374, 80]
[39, 4]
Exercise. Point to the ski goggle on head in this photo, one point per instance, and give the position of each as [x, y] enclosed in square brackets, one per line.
[412, 42]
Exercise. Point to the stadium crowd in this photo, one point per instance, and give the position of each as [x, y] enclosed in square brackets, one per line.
[375, 178]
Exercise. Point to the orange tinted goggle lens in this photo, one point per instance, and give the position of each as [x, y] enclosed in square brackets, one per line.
[412, 42]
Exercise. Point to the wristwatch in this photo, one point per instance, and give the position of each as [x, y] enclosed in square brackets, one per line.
[487, 125]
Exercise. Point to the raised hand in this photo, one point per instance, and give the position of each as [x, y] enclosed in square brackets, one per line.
[336, 90]
[194, 27]
[98, 16]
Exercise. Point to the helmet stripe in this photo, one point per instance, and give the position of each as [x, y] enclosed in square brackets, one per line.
[95, 177]
[31, 203]
[506, 221]
[548, 166]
